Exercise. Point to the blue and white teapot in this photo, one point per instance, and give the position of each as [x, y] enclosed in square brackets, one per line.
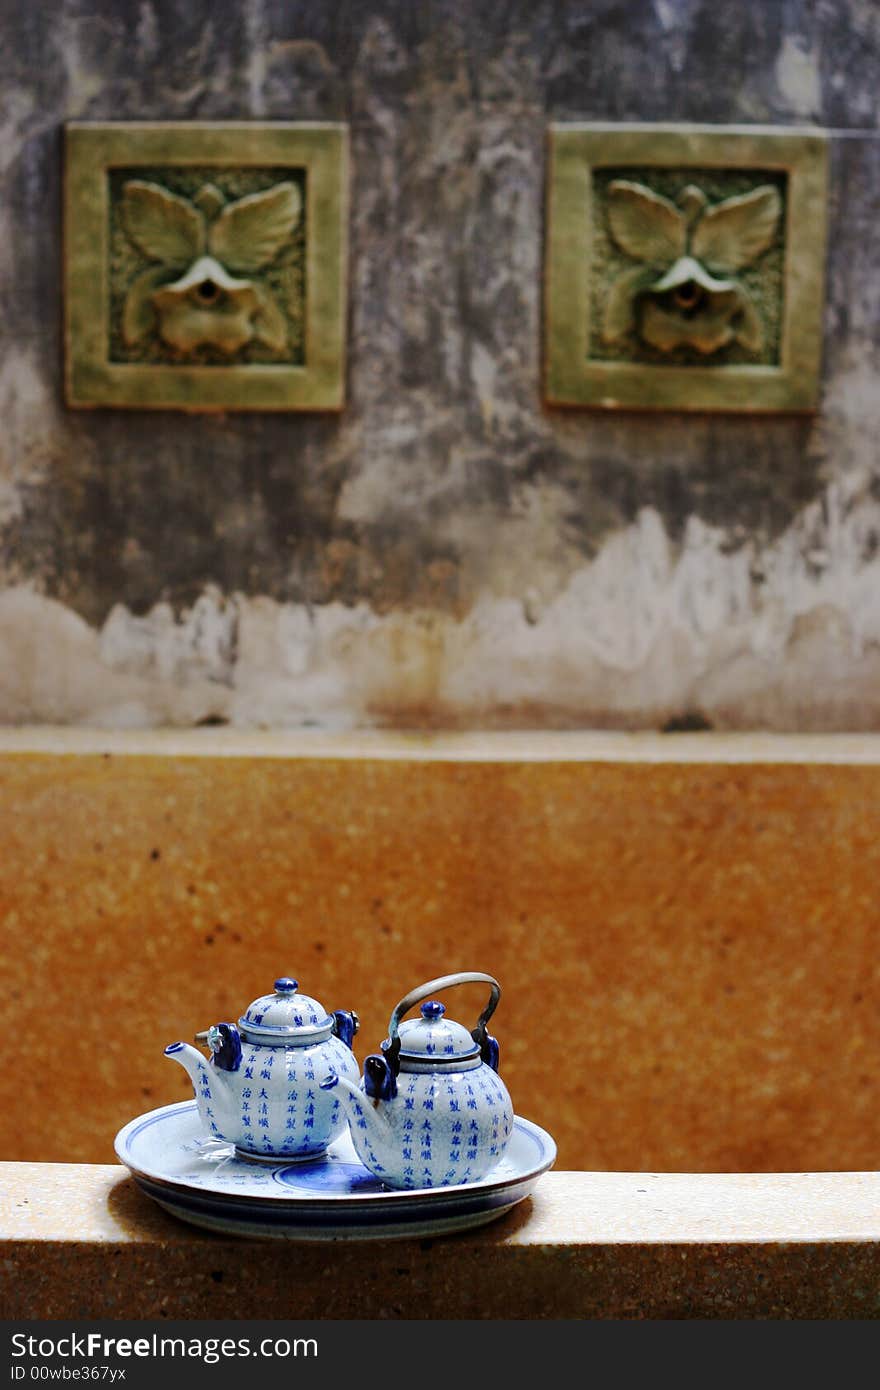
[431, 1110]
[259, 1088]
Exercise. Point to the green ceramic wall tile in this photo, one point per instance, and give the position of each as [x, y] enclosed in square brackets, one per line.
[205, 265]
[685, 267]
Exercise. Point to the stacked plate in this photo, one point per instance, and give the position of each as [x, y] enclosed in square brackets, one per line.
[204, 1181]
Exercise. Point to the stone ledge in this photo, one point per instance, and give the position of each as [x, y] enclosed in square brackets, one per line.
[490, 746]
[81, 1241]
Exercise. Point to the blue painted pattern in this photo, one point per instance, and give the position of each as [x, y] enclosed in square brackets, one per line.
[274, 1105]
[262, 1094]
[442, 1129]
[328, 1175]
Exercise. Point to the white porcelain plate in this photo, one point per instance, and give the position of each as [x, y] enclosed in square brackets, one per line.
[205, 1182]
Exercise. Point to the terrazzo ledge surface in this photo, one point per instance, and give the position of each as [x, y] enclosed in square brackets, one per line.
[81, 1241]
[515, 746]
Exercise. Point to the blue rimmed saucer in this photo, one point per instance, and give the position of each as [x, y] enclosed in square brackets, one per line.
[205, 1182]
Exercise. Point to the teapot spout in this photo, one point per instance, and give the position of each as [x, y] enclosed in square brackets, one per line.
[364, 1114]
[202, 1076]
[192, 1061]
[214, 1087]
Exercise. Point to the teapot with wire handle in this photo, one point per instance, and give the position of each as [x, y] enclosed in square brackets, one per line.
[431, 1109]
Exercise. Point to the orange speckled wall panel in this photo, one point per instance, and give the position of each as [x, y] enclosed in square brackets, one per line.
[688, 951]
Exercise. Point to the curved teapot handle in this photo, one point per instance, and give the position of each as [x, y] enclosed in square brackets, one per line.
[487, 1045]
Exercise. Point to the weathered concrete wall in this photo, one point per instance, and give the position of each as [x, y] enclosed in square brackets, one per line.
[446, 551]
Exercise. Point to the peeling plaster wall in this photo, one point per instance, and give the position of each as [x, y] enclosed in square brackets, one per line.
[446, 551]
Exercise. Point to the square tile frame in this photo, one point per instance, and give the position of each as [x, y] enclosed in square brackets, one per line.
[572, 378]
[91, 378]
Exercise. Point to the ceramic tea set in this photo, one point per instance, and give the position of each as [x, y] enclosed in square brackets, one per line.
[286, 1139]
[430, 1111]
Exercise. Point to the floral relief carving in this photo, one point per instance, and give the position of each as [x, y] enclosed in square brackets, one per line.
[683, 290]
[203, 286]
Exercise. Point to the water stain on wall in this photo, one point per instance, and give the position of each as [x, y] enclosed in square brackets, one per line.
[651, 632]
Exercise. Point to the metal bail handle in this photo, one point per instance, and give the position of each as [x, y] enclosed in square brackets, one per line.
[415, 996]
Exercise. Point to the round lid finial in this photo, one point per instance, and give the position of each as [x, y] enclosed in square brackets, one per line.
[286, 985]
[432, 1009]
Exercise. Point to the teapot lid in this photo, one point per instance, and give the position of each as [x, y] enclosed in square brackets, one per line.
[285, 1016]
[434, 1040]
